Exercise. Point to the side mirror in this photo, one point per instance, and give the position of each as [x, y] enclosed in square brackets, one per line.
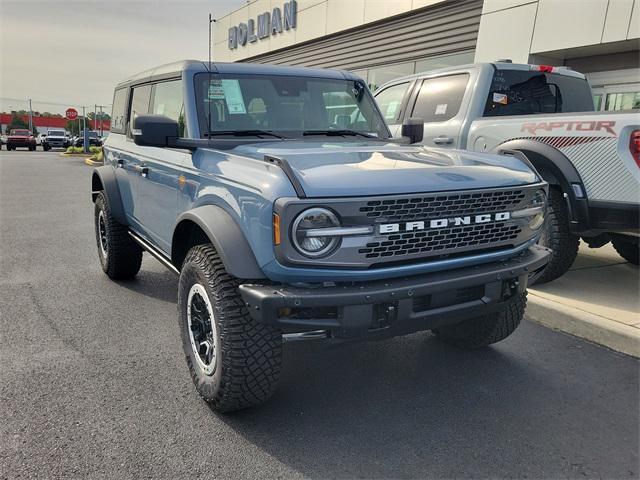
[154, 130]
[413, 129]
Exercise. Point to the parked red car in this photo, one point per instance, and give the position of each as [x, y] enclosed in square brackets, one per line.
[21, 138]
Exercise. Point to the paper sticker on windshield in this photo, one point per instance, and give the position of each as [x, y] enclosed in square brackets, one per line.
[441, 109]
[215, 90]
[233, 96]
[500, 98]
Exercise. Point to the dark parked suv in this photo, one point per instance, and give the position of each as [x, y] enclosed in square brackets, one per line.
[278, 197]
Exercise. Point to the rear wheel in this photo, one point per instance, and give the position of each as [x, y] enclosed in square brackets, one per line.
[234, 361]
[627, 247]
[556, 235]
[120, 256]
[483, 331]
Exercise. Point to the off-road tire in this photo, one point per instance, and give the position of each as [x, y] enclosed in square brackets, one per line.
[123, 255]
[46, 148]
[557, 236]
[483, 331]
[249, 358]
[626, 248]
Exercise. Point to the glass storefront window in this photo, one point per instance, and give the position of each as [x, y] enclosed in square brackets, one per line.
[381, 75]
[623, 101]
[444, 61]
[363, 74]
[597, 102]
[378, 76]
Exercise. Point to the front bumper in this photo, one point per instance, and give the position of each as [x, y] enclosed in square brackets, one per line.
[391, 307]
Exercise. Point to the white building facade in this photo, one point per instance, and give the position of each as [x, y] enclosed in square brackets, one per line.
[384, 39]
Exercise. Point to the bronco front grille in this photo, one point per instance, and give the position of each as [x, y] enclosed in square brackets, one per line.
[450, 205]
[439, 240]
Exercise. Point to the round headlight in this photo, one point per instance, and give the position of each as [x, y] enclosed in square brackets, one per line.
[538, 200]
[311, 244]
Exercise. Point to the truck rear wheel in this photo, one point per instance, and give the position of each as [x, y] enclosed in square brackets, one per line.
[120, 256]
[234, 361]
[556, 235]
[627, 247]
[483, 331]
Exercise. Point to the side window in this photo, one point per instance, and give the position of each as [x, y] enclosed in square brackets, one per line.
[390, 99]
[167, 100]
[440, 98]
[139, 103]
[119, 111]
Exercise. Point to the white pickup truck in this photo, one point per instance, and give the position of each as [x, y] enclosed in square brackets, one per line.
[590, 159]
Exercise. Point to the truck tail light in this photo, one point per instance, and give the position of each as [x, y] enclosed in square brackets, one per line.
[634, 146]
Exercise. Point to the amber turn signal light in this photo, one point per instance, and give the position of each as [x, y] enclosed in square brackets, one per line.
[276, 229]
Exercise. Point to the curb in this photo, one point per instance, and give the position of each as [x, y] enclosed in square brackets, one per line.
[594, 328]
[92, 163]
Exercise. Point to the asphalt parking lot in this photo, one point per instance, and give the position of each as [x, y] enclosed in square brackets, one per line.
[93, 381]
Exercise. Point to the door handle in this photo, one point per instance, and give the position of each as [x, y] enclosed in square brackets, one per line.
[144, 171]
[442, 140]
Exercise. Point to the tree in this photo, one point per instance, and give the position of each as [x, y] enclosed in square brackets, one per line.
[75, 126]
[18, 122]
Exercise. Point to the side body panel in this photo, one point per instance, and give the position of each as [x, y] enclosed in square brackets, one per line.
[597, 144]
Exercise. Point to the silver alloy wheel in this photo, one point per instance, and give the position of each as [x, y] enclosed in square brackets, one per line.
[202, 329]
[102, 232]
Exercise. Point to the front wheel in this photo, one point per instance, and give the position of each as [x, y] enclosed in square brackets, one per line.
[556, 235]
[120, 256]
[234, 361]
[627, 247]
[483, 331]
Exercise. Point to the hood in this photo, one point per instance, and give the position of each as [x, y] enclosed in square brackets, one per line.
[338, 169]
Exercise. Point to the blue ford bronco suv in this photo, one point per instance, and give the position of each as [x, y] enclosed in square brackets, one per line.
[279, 198]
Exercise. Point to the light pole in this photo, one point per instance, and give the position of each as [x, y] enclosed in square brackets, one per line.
[30, 117]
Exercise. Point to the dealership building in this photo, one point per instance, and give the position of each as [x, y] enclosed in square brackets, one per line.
[384, 39]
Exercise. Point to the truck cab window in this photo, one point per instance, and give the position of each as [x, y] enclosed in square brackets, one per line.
[390, 99]
[525, 92]
[440, 98]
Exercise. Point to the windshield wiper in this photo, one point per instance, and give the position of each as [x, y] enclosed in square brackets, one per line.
[338, 133]
[244, 133]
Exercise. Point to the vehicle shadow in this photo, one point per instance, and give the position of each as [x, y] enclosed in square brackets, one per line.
[414, 408]
[159, 284]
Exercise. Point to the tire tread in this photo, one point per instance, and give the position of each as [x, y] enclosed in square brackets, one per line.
[251, 351]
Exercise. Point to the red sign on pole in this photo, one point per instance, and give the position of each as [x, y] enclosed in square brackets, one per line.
[71, 113]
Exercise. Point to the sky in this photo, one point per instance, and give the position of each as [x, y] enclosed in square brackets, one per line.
[63, 53]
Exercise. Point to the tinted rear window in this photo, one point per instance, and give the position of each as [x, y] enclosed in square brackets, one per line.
[440, 98]
[515, 92]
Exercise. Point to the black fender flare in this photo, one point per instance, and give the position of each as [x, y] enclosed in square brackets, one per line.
[556, 169]
[225, 235]
[104, 179]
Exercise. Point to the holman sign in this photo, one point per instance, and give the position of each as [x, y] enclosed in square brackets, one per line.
[267, 23]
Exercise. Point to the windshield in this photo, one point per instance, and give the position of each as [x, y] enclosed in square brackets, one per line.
[288, 106]
[55, 133]
[22, 133]
[93, 134]
[520, 92]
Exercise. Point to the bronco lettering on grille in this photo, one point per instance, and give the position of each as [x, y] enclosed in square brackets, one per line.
[444, 222]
